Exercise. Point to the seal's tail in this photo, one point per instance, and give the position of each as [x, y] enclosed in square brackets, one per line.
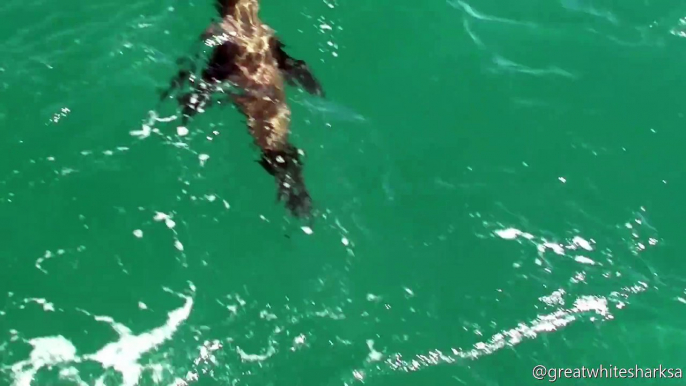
[286, 167]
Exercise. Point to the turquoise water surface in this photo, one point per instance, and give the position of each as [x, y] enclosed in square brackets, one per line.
[500, 186]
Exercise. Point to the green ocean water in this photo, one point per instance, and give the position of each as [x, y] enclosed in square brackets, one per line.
[500, 187]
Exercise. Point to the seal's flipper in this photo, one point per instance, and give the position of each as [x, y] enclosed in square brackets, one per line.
[179, 80]
[286, 167]
[222, 63]
[222, 59]
[176, 82]
[296, 70]
[194, 102]
[219, 68]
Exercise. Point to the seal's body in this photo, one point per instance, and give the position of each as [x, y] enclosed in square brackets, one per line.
[249, 57]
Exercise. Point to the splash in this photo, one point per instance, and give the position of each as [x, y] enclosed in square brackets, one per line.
[122, 355]
[584, 306]
[47, 351]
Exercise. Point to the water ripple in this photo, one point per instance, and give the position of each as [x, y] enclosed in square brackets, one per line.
[510, 66]
[471, 11]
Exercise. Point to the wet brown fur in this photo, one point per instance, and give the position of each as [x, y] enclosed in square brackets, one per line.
[248, 56]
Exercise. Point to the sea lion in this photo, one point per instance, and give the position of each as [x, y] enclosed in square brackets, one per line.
[249, 57]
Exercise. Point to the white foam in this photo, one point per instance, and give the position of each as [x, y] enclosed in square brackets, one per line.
[555, 298]
[47, 351]
[47, 306]
[557, 248]
[121, 355]
[264, 314]
[584, 260]
[582, 243]
[373, 298]
[72, 374]
[307, 230]
[47, 255]
[299, 341]
[374, 356]
[509, 233]
[138, 233]
[588, 307]
[159, 216]
[255, 357]
[144, 132]
[206, 351]
[543, 323]
[512, 233]
[359, 375]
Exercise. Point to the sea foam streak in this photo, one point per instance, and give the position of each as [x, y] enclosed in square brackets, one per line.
[121, 355]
